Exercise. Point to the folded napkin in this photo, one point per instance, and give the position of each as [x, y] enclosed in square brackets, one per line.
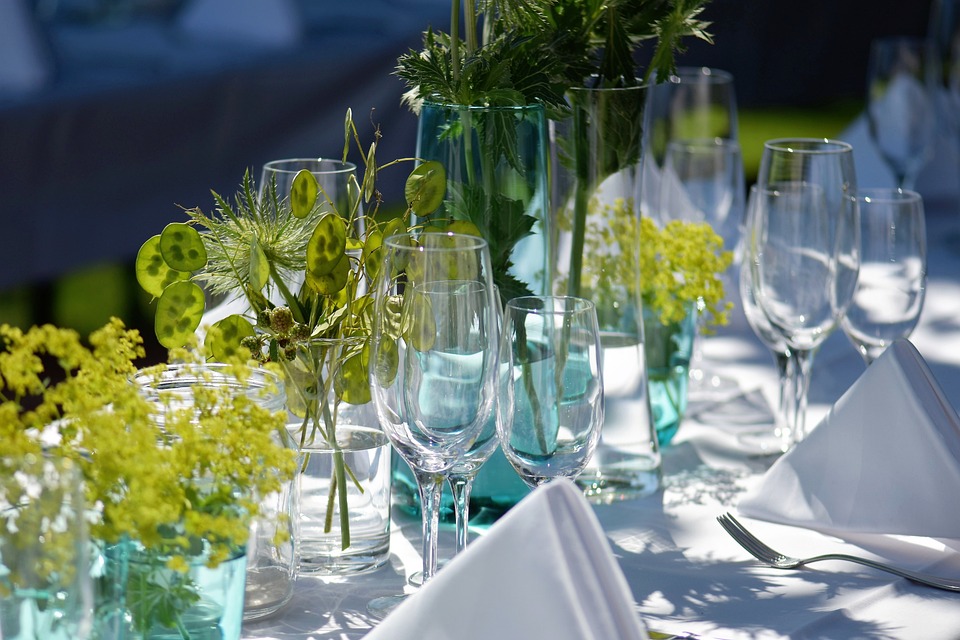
[885, 459]
[545, 570]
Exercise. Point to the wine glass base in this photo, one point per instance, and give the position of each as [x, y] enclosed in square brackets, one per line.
[380, 607]
[416, 578]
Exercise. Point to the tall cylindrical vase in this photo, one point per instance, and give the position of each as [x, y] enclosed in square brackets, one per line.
[343, 522]
[597, 167]
[496, 161]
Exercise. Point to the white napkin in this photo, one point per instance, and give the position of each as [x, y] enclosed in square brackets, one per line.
[885, 459]
[545, 570]
[270, 23]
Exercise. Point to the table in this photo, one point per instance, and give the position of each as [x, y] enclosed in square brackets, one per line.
[686, 574]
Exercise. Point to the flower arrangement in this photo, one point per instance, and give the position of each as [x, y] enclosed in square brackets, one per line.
[180, 479]
[520, 53]
[304, 267]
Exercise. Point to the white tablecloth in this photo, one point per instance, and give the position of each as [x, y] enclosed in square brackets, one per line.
[686, 574]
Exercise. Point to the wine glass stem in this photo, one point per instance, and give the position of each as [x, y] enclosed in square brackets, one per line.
[784, 425]
[803, 364]
[430, 487]
[460, 485]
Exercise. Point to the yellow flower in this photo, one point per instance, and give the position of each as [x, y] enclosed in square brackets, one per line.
[162, 473]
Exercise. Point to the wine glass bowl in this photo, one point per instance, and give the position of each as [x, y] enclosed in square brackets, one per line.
[890, 289]
[550, 406]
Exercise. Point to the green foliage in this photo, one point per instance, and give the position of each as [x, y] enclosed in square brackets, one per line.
[534, 50]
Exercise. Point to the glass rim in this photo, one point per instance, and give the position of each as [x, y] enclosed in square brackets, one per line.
[887, 195]
[715, 142]
[639, 87]
[548, 304]
[436, 101]
[808, 145]
[336, 166]
[174, 377]
[464, 241]
[710, 75]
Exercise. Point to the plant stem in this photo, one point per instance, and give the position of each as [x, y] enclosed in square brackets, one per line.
[455, 39]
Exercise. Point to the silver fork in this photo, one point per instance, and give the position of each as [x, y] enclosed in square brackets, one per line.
[775, 559]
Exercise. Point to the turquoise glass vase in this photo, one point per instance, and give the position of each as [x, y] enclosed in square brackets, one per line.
[496, 161]
[668, 350]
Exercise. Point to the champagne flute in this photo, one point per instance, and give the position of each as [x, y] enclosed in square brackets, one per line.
[901, 111]
[433, 361]
[777, 439]
[893, 270]
[803, 248]
[550, 406]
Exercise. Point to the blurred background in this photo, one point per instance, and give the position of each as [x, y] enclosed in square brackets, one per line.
[115, 113]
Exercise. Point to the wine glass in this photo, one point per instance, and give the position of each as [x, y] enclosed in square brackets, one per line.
[777, 439]
[702, 181]
[901, 112]
[803, 248]
[550, 406]
[433, 361]
[694, 103]
[893, 270]
[334, 177]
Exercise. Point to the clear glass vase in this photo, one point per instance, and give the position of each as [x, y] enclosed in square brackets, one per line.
[271, 549]
[343, 515]
[596, 156]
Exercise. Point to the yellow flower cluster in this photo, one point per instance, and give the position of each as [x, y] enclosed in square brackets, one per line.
[681, 264]
[165, 473]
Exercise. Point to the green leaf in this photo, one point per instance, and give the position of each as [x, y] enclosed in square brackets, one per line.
[179, 311]
[224, 343]
[182, 247]
[326, 247]
[303, 193]
[388, 360]
[425, 188]
[370, 175]
[417, 322]
[333, 281]
[153, 272]
[351, 382]
[259, 270]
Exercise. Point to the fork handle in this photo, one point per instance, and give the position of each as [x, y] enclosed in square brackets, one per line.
[932, 581]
